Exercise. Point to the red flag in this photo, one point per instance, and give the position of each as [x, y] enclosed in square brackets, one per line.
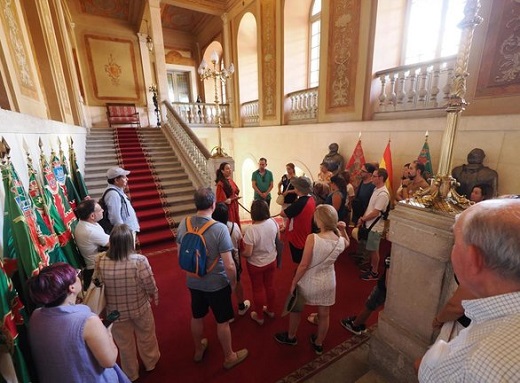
[355, 163]
[386, 162]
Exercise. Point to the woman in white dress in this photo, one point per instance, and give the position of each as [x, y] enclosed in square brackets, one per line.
[315, 278]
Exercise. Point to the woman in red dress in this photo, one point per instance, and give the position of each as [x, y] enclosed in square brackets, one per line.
[228, 191]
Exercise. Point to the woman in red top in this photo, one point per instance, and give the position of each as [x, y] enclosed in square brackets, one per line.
[228, 191]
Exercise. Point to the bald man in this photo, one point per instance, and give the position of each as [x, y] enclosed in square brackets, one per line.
[486, 260]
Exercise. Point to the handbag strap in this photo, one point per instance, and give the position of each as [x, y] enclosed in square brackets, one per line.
[380, 215]
[328, 255]
[97, 270]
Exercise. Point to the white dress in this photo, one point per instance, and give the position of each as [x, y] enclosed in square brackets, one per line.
[318, 284]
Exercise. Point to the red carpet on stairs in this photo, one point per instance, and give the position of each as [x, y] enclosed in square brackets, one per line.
[156, 234]
[268, 361]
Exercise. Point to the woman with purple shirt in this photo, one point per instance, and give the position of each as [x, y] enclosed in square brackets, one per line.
[69, 343]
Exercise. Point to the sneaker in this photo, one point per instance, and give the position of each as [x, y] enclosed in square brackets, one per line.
[283, 338]
[370, 276]
[348, 323]
[254, 316]
[317, 349]
[247, 305]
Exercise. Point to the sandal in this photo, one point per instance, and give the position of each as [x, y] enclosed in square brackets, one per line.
[200, 355]
[313, 318]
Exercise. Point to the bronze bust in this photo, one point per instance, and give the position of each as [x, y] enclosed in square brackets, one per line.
[334, 160]
[473, 173]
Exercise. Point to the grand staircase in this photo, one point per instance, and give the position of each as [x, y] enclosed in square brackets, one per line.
[160, 190]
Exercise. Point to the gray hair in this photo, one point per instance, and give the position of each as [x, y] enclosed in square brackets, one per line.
[493, 226]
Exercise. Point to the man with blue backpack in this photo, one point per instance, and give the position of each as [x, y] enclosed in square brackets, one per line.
[204, 249]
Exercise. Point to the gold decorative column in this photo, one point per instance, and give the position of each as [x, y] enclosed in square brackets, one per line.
[442, 194]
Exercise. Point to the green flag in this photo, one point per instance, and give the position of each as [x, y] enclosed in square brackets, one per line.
[62, 176]
[63, 218]
[424, 158]
[75, 174]
[21, 237]
[12, 311]
[41, 207]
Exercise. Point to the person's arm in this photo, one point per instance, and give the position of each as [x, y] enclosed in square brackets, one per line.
[146, 275]
[342, 228]
[368, 216]
[113, 203]
[100, 238]
[337, 201]
[99, 341]
[453, 309]
[269, 188]
[248, 250]
[305, 262]
[247, 243]
[220, 195]
[229, 266]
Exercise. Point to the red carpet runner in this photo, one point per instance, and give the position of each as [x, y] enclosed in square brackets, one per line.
[147, 201]
[268, 361]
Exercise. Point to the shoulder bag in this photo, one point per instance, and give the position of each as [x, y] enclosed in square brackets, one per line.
[95, 294]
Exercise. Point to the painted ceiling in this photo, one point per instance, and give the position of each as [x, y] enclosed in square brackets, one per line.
[172, 17]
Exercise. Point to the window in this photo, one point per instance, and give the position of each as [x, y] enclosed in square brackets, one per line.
[432, 30]
[178, 86]
[314, 56]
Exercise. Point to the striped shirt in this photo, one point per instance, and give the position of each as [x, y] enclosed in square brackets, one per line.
[129, 285]
[486, 351]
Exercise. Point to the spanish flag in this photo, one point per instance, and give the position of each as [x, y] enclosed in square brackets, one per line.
[386, 162]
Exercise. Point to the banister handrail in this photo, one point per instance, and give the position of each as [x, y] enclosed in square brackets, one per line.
[188, 131]
[296, 92]
[192, 153]
[403, 68]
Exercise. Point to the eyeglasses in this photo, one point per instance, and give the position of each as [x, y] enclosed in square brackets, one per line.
[363, 171]
[79, 273]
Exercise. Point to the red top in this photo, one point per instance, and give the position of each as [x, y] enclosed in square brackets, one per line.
[233, 206]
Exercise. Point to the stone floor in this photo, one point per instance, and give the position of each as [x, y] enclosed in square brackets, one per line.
[352, 368]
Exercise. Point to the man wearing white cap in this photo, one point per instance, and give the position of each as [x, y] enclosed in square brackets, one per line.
[118, 204]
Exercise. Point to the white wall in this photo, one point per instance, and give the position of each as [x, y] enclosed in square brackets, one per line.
[306, 145]
[21, 130]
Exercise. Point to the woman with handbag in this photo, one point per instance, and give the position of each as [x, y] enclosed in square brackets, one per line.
[227, 191]
[69, 343]
[260, 252]
[315, 277]
[129, 288]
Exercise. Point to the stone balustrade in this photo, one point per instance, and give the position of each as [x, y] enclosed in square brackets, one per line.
[419, 86]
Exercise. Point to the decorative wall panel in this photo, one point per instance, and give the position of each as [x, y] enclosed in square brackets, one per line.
[268, 11]
[500, 68]
[342, 55]
[10, 22]
[112, 65]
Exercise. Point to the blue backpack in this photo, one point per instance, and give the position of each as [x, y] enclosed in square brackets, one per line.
[193, 251]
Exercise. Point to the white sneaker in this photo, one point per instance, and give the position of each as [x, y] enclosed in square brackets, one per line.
[247, 305]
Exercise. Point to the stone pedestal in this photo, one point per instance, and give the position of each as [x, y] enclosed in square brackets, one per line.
[419, 282]
[213, 165]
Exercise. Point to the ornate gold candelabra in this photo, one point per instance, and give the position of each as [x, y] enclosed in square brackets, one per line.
[442, 194]
[219, 76]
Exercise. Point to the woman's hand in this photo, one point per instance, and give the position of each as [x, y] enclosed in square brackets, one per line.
[342, 226]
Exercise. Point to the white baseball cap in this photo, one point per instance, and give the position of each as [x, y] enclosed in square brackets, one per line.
[115, 172]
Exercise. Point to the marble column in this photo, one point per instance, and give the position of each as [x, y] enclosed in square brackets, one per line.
[419, 282]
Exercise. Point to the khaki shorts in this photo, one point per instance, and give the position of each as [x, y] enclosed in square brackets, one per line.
[374, 238]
